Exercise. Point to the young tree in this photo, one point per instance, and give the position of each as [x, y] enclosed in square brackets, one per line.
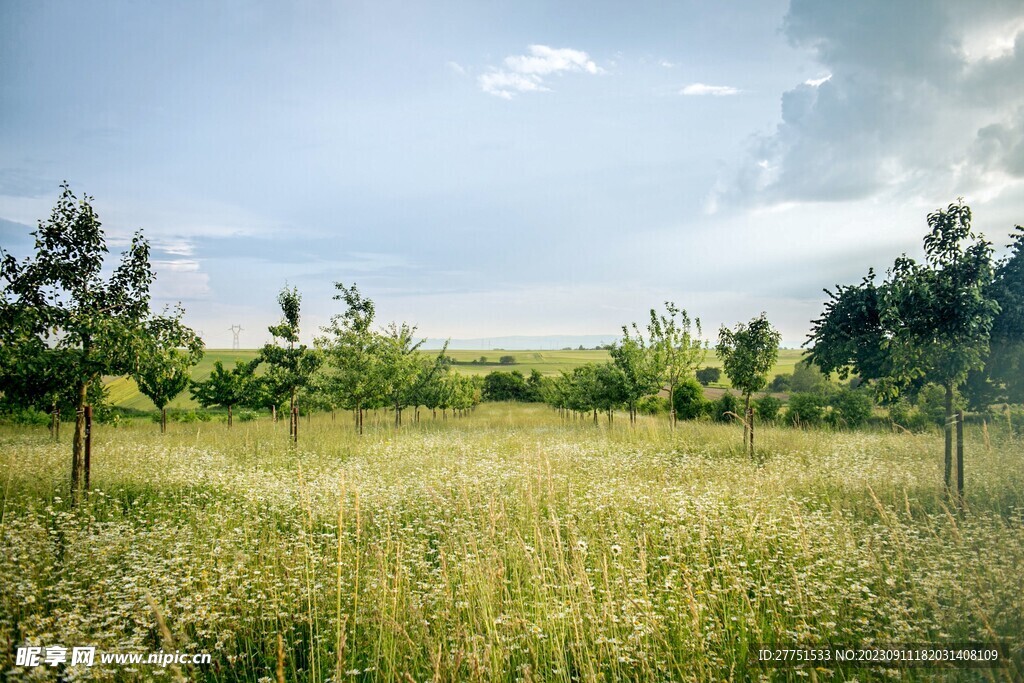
[225, 388]
[57, 307]
[708, 376]
[747, 354]
[636, 361]
[164, 366]
[351, 349]
[676, 347]
[290, 367]
[940, 312]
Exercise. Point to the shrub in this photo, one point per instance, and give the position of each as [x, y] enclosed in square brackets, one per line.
[727, 403]
[850, 408]
[505, 386]
[781, 383]
[806, 409]
[652, 405]
[246, 415]
[507, 360]
[807, 379]
[767, 408]
[708, 376]
[689, 398]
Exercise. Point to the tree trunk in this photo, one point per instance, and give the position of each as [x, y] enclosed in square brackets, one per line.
[229, 416]
[359, 414]
[750, 421]
[949, 438]
[163, 420]
[88, 445]
[295, 422]
[273, 413]
[960, 456]
[746, 422]
[672, 405]
[78, 445]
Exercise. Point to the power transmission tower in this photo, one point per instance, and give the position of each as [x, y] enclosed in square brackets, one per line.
[235, 329]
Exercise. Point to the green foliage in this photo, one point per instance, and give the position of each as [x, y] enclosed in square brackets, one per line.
[940, 312]
[505, 386]
[224, 388]
[727, 403]
[850, 408]
[850, 334]
[652, 405]
[806, 410]
[767, 408]
[708, 376]
[64, 325]
[634, 359]
[351, 348]
[289, 367]
[807, 378]
[165, 364]
[676, 348]
[748, 353]
[781, 383]
[507, 360]
[689, 398]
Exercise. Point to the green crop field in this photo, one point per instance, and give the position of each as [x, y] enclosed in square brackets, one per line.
[508, 546]
[123, 392]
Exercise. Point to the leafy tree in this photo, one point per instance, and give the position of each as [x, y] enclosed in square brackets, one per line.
[399, 366]
[676, 347]
[611, 388]
[507, 360]
[747, 354]
[806, 410]
[290, 367]
[850, 335]
[351, 349]
[635, 359]
[850, 407]
[940, 312]
[165, 364]
[689, 398]
[725, 407]
[224, 388]
[807, 378]
[708, 376]
[781, 383]
[767, 408]
[1005, 366]
[505, 386]
[57, 310]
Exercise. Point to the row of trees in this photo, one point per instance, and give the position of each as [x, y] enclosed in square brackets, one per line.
[352, 366]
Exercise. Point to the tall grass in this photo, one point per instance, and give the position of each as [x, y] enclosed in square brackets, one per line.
[509, 545]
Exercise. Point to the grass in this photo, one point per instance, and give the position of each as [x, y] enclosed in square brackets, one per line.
[508, 545]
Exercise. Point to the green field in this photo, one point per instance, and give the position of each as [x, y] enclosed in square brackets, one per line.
[508, 546]
[124, 392]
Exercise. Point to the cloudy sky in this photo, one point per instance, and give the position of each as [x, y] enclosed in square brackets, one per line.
[486, 169]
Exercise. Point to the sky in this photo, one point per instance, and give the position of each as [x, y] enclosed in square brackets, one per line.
[485, 169]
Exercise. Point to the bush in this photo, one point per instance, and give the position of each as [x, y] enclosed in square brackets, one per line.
[850, 408]
[727, 403]
[708, 376]
[931, 401]
[689, 398]
[507, 360]
[652, 405]
[767, 408]
[505, 386]
[27, 417]
[806, 409]
[781, 383]
[246, 415]
[807, 379]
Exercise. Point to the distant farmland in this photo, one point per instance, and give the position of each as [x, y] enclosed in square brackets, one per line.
[125, 394]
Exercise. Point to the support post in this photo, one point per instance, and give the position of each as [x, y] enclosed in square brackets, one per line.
[88, 444]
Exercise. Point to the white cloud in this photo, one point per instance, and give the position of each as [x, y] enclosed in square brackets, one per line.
[713, 90]
[526, 73]
[815, 82]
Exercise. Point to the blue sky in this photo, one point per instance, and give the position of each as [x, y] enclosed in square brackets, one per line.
[485, 169]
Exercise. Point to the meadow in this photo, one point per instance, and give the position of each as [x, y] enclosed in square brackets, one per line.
[509, 545]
